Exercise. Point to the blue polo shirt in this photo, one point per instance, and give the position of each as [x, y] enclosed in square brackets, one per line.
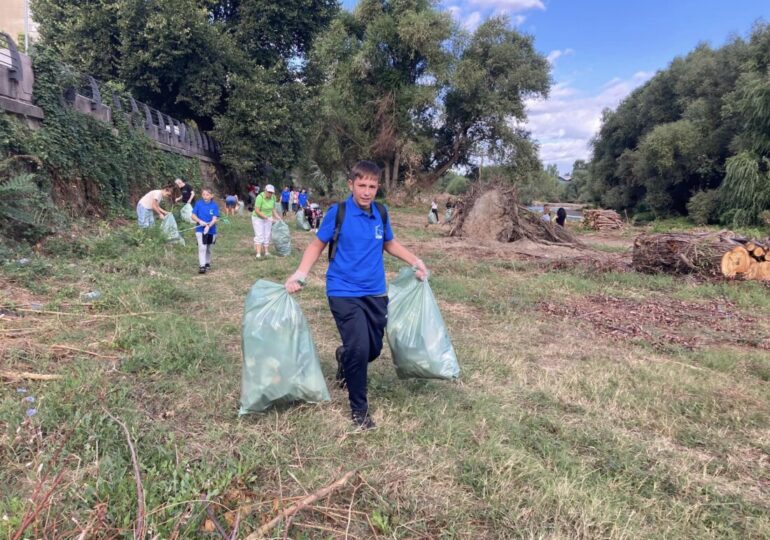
[358, 268]
[285, 195]
[205, 211]
[302, 200]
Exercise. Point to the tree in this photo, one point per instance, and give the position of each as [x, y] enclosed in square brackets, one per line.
[384, 66]
[494, 72]
[406, 88]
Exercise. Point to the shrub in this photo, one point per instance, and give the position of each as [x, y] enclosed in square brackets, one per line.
[458, 185]
[702, 207]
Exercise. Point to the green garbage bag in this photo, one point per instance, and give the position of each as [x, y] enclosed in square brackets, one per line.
[302, 220]
[280, 364]
[186, 213]
[418, 339]
[448, 215]
[432, 219]
[170, 230]
[282, 238]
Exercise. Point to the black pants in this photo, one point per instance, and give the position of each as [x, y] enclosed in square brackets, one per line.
[361, 323]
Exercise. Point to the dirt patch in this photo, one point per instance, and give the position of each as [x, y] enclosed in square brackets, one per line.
[665, 321]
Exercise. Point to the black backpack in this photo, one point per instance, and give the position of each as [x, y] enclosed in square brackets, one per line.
[340, 217]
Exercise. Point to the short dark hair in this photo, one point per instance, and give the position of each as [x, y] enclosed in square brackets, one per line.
[365, 169]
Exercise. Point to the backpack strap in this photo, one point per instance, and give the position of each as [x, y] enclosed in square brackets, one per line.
[337, 226]
[340, 217]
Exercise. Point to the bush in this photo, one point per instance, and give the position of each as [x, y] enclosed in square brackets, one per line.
[702, 207]
[458, 185]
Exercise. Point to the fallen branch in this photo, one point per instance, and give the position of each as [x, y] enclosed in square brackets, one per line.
[16, 375]
[139, 531]
[73, 349]
[212, 516]
[310, 499]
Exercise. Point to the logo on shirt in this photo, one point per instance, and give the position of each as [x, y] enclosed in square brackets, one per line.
[378, 232]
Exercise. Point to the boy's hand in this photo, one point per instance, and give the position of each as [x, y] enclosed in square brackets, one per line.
[295, 282]
[421, 271]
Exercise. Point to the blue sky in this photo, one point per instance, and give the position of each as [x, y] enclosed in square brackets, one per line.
[601, 50]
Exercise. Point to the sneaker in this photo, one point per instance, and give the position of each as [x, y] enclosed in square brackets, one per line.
[362, 420]
[208, 267]
[202, 270]
[267, 253]
[259, 256]
[340, 377]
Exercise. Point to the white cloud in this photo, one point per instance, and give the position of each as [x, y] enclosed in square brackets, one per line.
[564, 123]
[510, 5]
[454, 11]
[518, 20]
[555, 55]
[472, 21]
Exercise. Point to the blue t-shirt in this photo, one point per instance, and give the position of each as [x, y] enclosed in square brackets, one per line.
[302, 200]
[358, 268]
[205, 211]
[285, 195]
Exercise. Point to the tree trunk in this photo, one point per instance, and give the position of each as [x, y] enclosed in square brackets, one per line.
[387, 178]
[394, 175]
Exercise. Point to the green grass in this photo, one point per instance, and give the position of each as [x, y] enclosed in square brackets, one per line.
[553, 431]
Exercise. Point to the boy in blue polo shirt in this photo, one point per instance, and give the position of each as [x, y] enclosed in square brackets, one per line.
[355, 281]
[205, 213]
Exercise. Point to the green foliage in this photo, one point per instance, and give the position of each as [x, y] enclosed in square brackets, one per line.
[195, 60]
[26, 213]
[87, 163]
[458, 185]
[703, 207]
[692, 127]
[746, 189]
[409, 89]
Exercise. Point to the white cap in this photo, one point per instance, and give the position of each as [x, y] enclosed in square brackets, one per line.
[269, 188]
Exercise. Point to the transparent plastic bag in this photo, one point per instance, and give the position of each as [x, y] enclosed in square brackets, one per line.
[417, 336]
[170, 230]
[302, 220]
[280, 364]
[432, 219]
[186, 213]
[281, 238]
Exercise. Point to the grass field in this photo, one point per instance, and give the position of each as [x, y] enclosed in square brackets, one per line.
[591, 404]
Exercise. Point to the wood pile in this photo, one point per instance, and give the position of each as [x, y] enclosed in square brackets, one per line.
[750, 260]
[602, 220]
[705, 254]
[491, 212]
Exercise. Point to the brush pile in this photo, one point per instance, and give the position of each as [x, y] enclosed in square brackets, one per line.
[491, 211]
[602, 220]
[706, 254]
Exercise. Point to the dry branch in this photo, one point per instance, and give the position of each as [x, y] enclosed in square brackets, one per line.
[683, 253]
[304, 503]
[17, 375]
[141, 510]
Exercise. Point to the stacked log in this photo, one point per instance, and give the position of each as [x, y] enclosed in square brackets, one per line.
[705, 254]
[602, 220]
[750, 260]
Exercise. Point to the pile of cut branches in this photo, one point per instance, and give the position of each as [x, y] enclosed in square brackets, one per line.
[706, 254]
[491, 211]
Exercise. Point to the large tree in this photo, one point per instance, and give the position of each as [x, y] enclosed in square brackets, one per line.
[406, 87]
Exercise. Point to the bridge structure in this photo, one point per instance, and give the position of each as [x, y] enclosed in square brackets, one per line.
[88, 97]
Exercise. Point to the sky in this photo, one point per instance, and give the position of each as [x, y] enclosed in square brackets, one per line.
[600, 50]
